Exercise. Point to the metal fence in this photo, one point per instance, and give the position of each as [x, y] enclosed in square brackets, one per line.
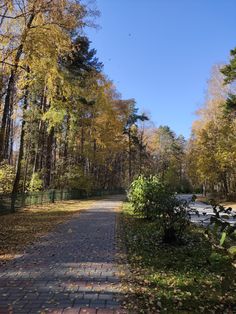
[50, 196]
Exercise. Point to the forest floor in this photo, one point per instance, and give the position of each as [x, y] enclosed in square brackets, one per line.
[73, 269]
[188, 278]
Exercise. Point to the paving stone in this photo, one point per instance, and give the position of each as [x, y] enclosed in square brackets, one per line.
[79, 302]
[90, 296]
[97, 303]
[112, 303]
[106, 296]
[71, 270]
[105, 311]
[71, 311]
[87, 311]
[120, 311]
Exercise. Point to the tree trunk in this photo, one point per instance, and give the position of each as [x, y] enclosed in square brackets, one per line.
[26, 167]
[5, 116]
[10, 91]
[65, 154]
[130, 157]
[49, 157]
[21, 153]
[10, 155]
[41, 131]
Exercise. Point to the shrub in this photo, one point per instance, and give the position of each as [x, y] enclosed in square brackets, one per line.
[174, 219]
[147, 195]
[36, 183]
[221, 228]
[7, 176]
[151, 199]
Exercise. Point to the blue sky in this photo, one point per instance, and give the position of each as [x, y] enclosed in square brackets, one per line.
[161, 52]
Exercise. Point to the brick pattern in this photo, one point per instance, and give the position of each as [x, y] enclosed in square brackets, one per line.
[72, 270]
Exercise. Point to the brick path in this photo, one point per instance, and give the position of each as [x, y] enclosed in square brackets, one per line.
[71, 270]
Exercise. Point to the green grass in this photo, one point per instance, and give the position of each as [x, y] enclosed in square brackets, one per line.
[189, 278]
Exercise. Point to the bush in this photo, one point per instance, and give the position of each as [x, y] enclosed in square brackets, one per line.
[151, 199]
[146, 195]
[174, 219]
[222, 230]
[36, 183]
[7, 176]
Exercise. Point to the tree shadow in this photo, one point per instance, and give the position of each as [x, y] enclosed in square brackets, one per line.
[190, 278]
[74, 266]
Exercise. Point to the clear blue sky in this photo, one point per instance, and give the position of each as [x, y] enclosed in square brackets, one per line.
[160, 52]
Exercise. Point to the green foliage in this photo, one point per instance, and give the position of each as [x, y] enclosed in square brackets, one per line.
[232, 250]
[229, 70]
[174, 221]
[220, 231]
[36, 183]
[72, 177]
[7, 175]
[149, 196]
[230, 105]
[54, 116]
[168, 151]
[152, 199]
[223, 237]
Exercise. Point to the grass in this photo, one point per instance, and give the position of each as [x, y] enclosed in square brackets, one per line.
[191, 278]
[27, 226]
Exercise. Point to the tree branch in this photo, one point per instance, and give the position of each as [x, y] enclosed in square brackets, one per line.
[13, 65]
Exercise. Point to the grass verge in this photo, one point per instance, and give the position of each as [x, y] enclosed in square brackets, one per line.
[27, 226]
[191, 278]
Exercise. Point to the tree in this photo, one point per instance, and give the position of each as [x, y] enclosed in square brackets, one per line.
[131, 131]
[167, 151]
[229, 70]
[211, 153]
[36, 20]
[62, 120]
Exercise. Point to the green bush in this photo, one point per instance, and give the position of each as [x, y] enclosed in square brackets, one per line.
[36, 183]
[151, 199]
[221, 230]
[146, 196]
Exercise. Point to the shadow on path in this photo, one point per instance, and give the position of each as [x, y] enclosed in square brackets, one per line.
[71, 270]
